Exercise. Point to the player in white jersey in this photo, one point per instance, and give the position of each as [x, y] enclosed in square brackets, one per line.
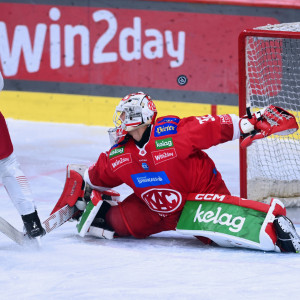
[16, 183]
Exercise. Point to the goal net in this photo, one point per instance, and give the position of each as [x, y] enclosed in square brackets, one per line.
[269, 73]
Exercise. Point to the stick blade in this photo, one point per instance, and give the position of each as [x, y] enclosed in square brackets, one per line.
[11, 232]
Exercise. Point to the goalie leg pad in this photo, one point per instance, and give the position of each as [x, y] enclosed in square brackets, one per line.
[88, 217]
[92, 221]
[101, 233]
[232, 221]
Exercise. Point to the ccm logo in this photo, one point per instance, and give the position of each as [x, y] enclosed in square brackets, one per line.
[210, 197]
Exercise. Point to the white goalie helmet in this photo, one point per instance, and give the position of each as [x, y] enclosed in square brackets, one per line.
[133, 111]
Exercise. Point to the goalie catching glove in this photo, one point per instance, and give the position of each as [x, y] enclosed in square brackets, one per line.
[265, 122]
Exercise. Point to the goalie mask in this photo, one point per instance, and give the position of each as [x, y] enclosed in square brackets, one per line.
[134, 110]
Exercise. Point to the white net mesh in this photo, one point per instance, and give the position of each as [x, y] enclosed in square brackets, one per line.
[291, 27]
[273, 77]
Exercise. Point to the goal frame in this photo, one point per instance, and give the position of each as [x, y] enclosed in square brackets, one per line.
[243, 87]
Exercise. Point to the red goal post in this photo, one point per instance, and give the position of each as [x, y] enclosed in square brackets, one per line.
[269, 73]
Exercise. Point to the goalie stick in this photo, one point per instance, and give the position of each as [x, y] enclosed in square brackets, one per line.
[65, 208]
[52, 222]
[62, 211]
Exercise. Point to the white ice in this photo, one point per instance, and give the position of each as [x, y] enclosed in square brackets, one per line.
[164, 266]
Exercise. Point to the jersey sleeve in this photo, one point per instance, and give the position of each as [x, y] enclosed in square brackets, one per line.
[203, 132]
[100, 175]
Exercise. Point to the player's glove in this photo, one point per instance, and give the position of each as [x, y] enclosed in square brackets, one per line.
[267, 121]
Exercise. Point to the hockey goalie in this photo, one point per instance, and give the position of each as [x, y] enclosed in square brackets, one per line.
[176, 185]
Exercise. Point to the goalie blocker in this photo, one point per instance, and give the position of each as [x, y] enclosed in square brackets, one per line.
[78, 194]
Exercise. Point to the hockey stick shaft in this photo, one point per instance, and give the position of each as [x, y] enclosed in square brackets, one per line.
[54, 221]
[59, 217]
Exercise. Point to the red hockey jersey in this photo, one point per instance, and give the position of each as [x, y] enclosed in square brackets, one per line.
[170, 165]
[6, 147]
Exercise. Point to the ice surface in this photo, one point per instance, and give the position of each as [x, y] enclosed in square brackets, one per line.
[164, 266]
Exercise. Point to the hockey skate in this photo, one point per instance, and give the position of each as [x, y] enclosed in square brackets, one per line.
[288, 238]
[33, 225]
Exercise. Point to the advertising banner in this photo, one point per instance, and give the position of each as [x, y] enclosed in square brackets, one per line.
[122, 47]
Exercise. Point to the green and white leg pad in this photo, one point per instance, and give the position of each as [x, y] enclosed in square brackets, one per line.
[101, 233]
[86, 226]
[88, 217]
[231, 221]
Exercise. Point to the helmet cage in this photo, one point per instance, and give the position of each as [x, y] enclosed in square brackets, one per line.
[128, 116]
[134, 110]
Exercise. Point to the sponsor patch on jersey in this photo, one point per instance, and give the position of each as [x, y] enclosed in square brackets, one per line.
[205, 119]
[145, 166]
[142, 180]
[225, 119]
[165, 143]
[215, 172]
[120, 161]
[165, 129]
[163, 155]
[162, 200]
[175, 120]
[116, 151]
